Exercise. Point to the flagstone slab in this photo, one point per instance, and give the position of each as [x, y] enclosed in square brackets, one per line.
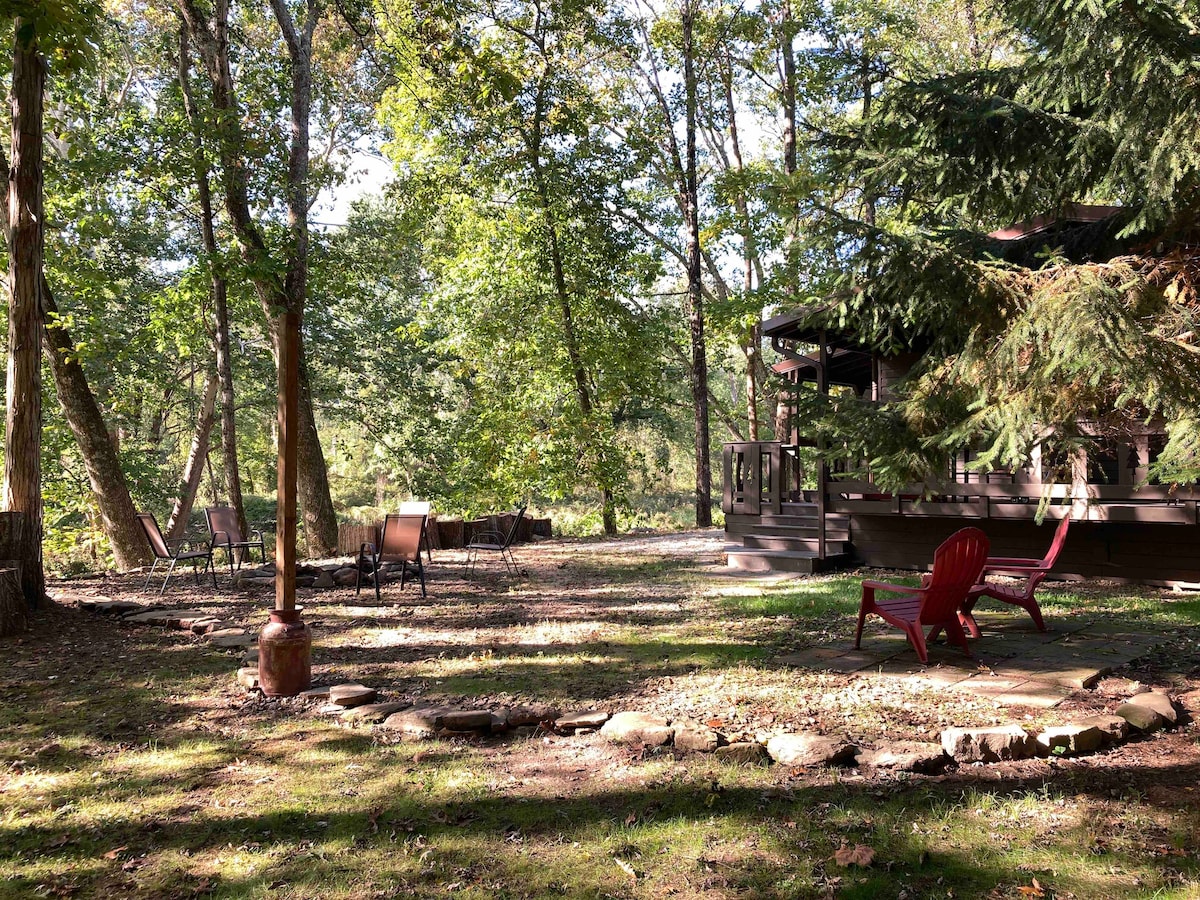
[1035, 694]
[374, 712]
[855, 660]
[988, 685]
[812, 658]
[1078, 677]
[169, 617]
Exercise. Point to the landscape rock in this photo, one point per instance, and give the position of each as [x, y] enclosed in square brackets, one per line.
[637, 728]
[247, 677]
[347, 695]
[111, 607]
[1159, 702]
[346, 577]
[374, 712]
[693, 737]
[499, 721]
[303, 581]
[592, 718]
[205, 625]
[312, 693]
[466, 720]
[230, 638]
[251, 657]
[168, 617]
[746, 753]
[532, 714]
[988, 744]
[1140, 717]
[418, 723]
[906, 756]
[1070, 738]
[810, 750]
[324, 580]
[1190, 702]
[1112, 728]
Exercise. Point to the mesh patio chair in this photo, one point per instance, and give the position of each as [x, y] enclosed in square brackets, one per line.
[171, 553]
[936, 603]
[420, 508]
[399, 542]
[225, 534]
[495, 542]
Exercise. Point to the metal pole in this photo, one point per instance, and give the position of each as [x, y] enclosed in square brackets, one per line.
[289, 413]
[822, 469]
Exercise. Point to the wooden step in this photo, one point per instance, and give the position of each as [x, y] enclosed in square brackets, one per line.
[794, 542]
[803, 561]
[841, 520]
[832, 532]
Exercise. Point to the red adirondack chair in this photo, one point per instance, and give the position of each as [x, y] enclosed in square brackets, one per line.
[1033, 570]
[935, 604]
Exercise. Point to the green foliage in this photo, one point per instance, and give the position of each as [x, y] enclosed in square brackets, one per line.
[1058, 351]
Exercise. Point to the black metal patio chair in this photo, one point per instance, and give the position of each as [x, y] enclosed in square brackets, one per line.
[174, 552]
[495, 542]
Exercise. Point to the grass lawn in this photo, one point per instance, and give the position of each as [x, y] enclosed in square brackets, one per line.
[132, 765]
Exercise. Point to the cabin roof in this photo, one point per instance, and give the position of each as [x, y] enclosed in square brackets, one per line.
[846, 367]
[1072, 213]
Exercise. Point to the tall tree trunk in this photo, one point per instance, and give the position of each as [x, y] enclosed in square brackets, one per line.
[218, 291]
[699, 370]
[973, 31]
[320, 518]
[181, 511]
[787, 52]
[751, 264]
[867, 86]
[117, 514]
[100, 458]
[211, 36]
[608, 512]
[23, 413]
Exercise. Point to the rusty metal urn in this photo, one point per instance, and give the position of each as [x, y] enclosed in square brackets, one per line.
[285, 654]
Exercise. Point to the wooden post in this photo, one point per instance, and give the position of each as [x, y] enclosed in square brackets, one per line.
[822, 468]
[289, 431]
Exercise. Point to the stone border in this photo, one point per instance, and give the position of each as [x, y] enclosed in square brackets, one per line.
[1142, 713]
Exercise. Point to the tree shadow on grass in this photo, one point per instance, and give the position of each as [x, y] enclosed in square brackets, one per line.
[689, 836]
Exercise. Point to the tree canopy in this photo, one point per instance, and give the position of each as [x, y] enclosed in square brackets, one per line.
[513, 315]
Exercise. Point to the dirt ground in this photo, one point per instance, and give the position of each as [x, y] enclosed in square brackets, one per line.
[634, 623]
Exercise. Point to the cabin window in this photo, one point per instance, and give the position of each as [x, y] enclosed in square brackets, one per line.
[1155, 443]
[1104, 466]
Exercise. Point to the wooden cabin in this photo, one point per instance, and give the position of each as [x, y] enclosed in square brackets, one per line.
[791, 520]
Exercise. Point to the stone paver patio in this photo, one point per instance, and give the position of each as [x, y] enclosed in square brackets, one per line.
[1012, 663]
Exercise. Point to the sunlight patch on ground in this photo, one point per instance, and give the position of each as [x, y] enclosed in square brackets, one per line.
[734, 590]
[563, 633]
[155, 761]
[474, 662]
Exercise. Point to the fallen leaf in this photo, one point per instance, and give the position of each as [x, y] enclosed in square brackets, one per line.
[1033, 889]
[858, 855]
[113, 854]
[626, 867]
[631, 819]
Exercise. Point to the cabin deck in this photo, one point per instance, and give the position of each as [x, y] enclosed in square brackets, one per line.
[1148, 534]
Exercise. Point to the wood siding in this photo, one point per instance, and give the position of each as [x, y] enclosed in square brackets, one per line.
[1143, 552]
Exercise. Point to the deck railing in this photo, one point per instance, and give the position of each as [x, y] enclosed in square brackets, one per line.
[762, 476]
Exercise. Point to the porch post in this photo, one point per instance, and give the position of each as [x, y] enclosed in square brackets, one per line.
[822, 469]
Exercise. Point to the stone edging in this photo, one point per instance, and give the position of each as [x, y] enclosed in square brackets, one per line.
[1142, 713]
